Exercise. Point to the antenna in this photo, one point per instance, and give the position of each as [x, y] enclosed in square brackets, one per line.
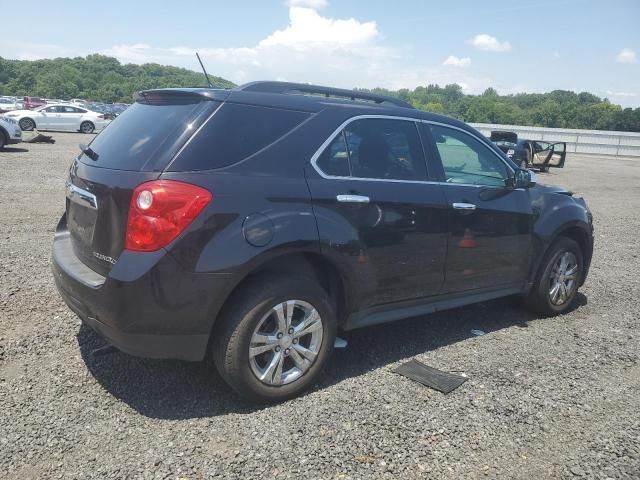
[205, 72]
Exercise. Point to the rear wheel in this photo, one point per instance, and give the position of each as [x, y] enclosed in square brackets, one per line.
[27, 124]
[3, 140]
[556, 283]
[87, 127]
[275, 338]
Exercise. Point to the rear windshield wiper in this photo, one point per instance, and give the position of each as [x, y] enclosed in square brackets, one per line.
[88, 152]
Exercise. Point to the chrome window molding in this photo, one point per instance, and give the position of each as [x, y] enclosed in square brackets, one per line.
[340, 129]
[80, 196]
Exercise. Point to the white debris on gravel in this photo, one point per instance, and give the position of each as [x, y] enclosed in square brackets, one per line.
[555, 398]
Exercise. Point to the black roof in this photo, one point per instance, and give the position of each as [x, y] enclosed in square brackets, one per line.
[311, 98]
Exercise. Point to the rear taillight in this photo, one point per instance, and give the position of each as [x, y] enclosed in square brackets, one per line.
[160, 210]
[100, 116]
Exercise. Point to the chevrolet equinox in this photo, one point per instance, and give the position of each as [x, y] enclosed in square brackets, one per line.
[250, 225]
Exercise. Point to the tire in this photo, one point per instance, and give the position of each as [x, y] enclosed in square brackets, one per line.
[87, 127]
[544, 168]
[26, 124]
[3, 140]
[541, 298]
[253, 311]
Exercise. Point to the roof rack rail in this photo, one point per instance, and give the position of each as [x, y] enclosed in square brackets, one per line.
[301, 88]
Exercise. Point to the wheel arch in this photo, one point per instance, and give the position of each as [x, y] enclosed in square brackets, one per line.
[577, 231]
[312, 264]
[583, 238]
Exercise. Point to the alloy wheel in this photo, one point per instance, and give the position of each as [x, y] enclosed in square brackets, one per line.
[286, 342]
[562, 280]
[86, 127]
[26, 124]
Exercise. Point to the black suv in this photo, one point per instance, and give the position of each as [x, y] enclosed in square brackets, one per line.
[252, 224]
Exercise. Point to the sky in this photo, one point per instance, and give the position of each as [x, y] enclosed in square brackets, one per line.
[513, 46]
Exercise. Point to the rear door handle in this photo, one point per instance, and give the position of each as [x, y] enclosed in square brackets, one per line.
[467, 207]
[352, 199]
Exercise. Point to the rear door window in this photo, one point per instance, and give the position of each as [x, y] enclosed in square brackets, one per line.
[234, 133]
[148, 134]
[376, 148]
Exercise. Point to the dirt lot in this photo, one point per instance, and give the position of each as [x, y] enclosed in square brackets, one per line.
[547, 398]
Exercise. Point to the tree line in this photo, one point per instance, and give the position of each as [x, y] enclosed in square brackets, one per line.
[96, 78]
[556, 109]
[101, 78]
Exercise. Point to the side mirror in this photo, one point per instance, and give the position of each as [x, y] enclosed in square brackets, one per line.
[523, 178]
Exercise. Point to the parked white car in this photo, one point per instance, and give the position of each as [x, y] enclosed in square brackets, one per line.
[10, 132]
[7, 104]
[60, 117]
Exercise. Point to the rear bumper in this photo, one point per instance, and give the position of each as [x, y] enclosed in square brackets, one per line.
[147, 306]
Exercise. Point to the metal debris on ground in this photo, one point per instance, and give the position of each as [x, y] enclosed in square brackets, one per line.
[431, 377]
[340, 343]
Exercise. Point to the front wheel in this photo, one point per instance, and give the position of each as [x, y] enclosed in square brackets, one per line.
[559, 275]
[274, 338]
[26, 124]
[87, 127]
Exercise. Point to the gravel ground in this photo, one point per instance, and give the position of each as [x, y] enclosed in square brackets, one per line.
[547, 398]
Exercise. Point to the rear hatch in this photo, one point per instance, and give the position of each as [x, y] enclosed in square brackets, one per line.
[134, 148]
[505, 141]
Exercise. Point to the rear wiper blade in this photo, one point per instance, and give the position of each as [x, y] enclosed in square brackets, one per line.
[88, 152]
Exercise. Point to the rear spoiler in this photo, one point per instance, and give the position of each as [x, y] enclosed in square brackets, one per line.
[180, 95]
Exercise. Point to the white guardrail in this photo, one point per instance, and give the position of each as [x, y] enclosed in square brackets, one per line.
[595, 142]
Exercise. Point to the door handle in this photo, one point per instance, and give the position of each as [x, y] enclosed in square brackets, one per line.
[467, 207]
[352, 199]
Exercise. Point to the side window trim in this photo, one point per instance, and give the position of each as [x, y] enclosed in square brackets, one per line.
[341, 130]
[428, 153]
[346, 144]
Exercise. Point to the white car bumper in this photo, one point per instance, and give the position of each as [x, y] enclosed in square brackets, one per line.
[11, 127]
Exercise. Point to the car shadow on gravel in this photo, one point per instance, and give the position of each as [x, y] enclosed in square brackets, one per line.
[382, 345]
[168, 389]
[14, 150]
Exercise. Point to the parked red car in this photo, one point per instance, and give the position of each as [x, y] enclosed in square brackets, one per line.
[33, 102]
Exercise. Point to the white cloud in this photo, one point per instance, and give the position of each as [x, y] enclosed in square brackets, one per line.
[626, 55]
[136, 53]
[622, 94]
[488, 43]
[307, 29]
[315, 4]
[310, 48]
[454, 61]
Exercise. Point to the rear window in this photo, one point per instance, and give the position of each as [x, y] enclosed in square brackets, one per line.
[147, 135]
[234, 133]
